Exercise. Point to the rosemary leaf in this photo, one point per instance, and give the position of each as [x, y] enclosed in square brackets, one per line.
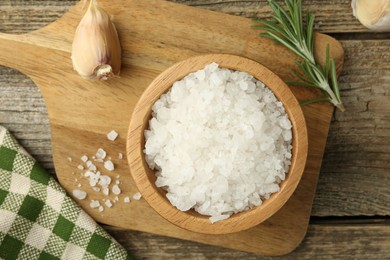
[287, 28]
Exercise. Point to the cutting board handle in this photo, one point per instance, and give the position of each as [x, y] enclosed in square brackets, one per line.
[14, 50]
[24, 51]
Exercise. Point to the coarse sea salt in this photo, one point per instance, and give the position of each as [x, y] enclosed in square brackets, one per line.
[220, 142]
[79, 194]
[112, 135]
[116, 190]
[100, 154]
[94, 204]
[109, 165]
[137, 196]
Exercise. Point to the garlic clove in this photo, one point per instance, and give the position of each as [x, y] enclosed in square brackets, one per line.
[96, 51]
[375, 15]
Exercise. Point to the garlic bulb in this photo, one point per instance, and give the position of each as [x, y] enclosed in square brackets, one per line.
[374, 14]
[96, 51]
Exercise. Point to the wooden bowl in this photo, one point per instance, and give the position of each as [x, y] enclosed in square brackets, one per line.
[145, 178]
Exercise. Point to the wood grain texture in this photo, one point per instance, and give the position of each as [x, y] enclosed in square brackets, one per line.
[332, 16]
[336, 194]
[82, 112]
[145, 178]
[355, 174]
[362, 131]
[323, 241]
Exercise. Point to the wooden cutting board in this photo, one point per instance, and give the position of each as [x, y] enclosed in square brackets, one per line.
[154, 35]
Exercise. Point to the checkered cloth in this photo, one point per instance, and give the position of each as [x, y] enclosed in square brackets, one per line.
[38, 220]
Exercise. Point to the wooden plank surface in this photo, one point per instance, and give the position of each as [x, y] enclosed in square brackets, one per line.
[355, 176]
[323, 241]
[357, 151]
[332, 16]
[82, 112]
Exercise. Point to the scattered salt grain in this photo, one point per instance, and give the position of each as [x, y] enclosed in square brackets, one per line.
[101, 209]
[219, 141]
[126, 199]
[106, 191]
[120, 156]
[89, 174]
[109, 165]
[84, 158]
[137, 196]
[97, 189]
[116, 190]
[92, 167]
[92, 182]
[104, 180]
[69, 159]
[94, 204]
[79, 194]
[116, 199]
[80, 167]
[117, 182]
[108, 203]
[112, 135]
[79, 185]
[100, 154]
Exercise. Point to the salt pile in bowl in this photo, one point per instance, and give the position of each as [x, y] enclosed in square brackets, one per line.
[220, 142]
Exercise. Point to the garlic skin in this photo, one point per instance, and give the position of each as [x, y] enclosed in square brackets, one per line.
[374, 14]
[96, 50]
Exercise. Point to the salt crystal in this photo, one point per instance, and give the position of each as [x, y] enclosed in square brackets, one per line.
[89, 174]
[106, 191]
[84, 158]
[97, 189]
[116, 190]
[216, 218]
[101, 209]
[80, 167]
[92, 182]
[104, 180]
[108, 203]
[109, 165]
[116, 199]
[79, 185]
[117, 182]
[120, 156]
[137, 196]
[126, 199]
[100, 154]
[69, 159]
[94, 204]
[79, 194]
[112, 135]
[92, 167]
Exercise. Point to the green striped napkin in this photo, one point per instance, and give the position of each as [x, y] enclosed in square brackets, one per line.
[38, 220]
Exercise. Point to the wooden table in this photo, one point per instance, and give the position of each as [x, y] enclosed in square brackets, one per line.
[350, 217]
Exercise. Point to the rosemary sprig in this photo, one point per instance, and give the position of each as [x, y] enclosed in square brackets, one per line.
[288, 29]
